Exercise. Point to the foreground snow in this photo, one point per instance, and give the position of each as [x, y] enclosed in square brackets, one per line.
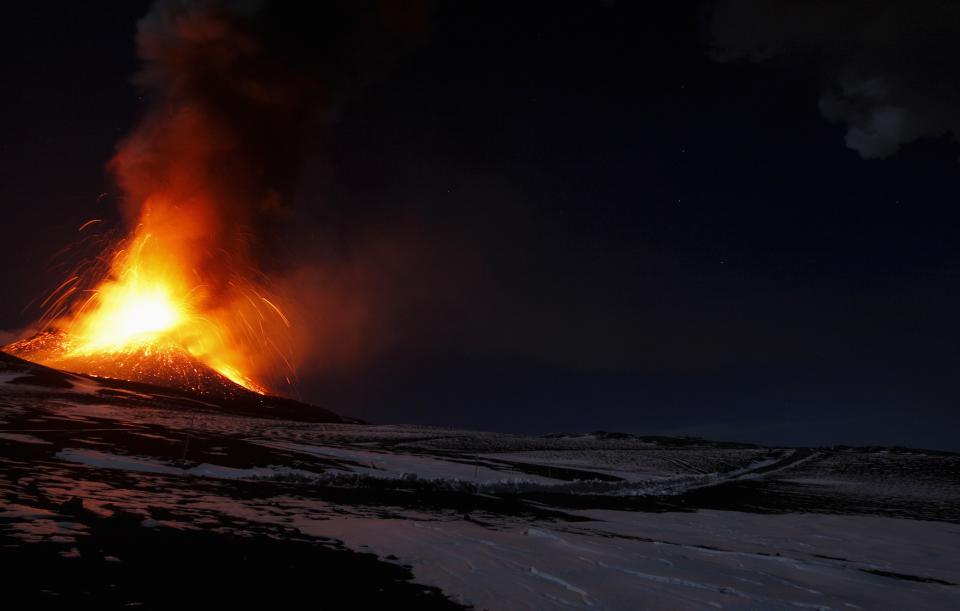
[623, 560]
[435, 518]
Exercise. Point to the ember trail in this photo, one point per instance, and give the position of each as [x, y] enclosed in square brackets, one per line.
[151, 316]
[180, 298]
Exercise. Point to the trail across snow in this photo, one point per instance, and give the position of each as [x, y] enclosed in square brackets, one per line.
[671, 561]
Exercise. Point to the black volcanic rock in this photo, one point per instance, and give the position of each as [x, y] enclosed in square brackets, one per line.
[226, 397]
[161, 364]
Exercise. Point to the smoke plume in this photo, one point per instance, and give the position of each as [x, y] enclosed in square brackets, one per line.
[235, 91]
[886, 66]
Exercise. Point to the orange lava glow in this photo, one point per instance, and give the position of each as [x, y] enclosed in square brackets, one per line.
[153, 308]
[182, 299]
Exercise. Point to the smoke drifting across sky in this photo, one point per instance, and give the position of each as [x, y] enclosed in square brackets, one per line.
[884, 64]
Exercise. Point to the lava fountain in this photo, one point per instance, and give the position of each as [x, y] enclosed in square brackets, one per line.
[181, 299]
[151, 316]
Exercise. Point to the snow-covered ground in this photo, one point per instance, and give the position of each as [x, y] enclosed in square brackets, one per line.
[624, 560]
[486, 520]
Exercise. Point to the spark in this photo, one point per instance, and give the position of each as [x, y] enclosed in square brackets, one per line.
[88, 223]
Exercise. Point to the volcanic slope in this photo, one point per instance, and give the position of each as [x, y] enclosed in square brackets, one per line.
[106, 485]
[161, 364]
[46, 384]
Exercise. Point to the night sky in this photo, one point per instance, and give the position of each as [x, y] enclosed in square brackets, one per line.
[577, 216]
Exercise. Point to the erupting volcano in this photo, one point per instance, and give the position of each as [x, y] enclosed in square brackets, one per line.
[181, 300]
[152, 318]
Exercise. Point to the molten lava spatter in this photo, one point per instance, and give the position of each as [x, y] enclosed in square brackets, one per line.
[130, 315]
[181, 298]
[152, 318]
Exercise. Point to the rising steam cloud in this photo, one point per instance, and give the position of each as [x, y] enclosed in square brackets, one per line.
[886, 66]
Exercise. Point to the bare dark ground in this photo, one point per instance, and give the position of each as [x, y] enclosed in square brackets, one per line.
[121, 564]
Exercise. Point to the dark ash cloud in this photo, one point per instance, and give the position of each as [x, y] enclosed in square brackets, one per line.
[888, 67]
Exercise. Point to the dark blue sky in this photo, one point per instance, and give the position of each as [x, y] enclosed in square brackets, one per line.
[612, 229]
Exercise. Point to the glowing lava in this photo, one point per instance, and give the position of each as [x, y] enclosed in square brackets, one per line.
[131, 312]
[149, 316]
[181, 299]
